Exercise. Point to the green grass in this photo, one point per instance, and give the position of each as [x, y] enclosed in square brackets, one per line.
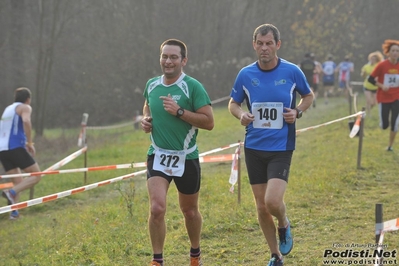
[328, 199]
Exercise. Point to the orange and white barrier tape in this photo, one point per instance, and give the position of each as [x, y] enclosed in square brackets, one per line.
[109, 127]
[6, 185]
[391, 225]
[221, 148]
[67, 159]
[51, 168]
[21, 205]
[329, 123]
[78, 170]
[203, 159]
[228, 97]
[138, 118]
[82, 135]
[388, 226]
[356, 127]
[216, 158]
[234, 169]
[66, 193]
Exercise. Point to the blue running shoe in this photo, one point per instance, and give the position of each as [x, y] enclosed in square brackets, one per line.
[275, 261]
[286, 241]
[14, 215]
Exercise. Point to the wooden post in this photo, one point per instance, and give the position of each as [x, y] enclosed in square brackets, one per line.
[85, 165]
[83, 142]
[379, 226]
[32, 192]
[360, 147]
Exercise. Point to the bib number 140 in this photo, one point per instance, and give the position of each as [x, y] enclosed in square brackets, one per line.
[268, 115]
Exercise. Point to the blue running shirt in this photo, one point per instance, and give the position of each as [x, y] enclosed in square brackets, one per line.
[266, 93]
[328, 71]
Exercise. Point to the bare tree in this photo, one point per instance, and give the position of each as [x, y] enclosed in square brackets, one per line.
[52, 19]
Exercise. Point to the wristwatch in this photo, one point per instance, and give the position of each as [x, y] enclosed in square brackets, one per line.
[179, 112]
[298, 113]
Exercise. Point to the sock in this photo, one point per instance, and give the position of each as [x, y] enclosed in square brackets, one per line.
[277, 257]
[158, 257]
[195, 252]
[288, 224]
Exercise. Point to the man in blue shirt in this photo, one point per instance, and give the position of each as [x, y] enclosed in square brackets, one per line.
[16, 146]
[269, 86]
[344, 70]
[328, 77]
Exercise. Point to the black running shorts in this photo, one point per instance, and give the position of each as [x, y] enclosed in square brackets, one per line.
[265, 165]
[386, 109]
[189, 183]
[16, 158]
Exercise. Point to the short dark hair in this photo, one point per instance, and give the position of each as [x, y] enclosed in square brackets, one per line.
[182, 45]
[265, 29]
[22, 94]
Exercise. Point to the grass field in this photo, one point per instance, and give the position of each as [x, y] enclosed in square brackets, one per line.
[330, 201]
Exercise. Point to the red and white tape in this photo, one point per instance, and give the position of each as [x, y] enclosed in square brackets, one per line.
[67, 159]
[21, 205]
[78, 170]
[202, 159]
[221, 148]
[381, 228]
[330, 122]
[391, 225]
[66, 193]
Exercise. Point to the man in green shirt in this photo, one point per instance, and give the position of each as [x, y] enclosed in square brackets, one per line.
[176, 106]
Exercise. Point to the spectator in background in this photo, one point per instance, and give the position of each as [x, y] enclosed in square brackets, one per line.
[328, 77]
[316, 77]
[344, 70]
[369, 89]
[386, 76]
[16, 146]
[308, 67]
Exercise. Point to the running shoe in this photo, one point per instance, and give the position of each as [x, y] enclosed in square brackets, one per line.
[14, 215]
[156, 263]
[275, 261]
[10, 198]
[195, 261]
[389, 148]
[286, 241]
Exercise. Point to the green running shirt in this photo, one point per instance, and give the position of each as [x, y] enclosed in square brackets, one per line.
[168, 131]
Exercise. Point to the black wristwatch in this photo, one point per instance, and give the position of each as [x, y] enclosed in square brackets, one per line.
[179, 112]
[298, 113]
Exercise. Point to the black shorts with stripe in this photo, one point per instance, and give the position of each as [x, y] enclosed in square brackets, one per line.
[16, 158]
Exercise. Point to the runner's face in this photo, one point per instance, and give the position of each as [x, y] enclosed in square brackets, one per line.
[394, 52]
[374, 59]
[266, 48]
[171, 61]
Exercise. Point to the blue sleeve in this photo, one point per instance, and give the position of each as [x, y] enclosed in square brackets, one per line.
[302, 85]
[237, 92]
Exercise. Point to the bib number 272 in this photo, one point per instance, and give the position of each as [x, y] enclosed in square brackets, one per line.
[169, 160]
